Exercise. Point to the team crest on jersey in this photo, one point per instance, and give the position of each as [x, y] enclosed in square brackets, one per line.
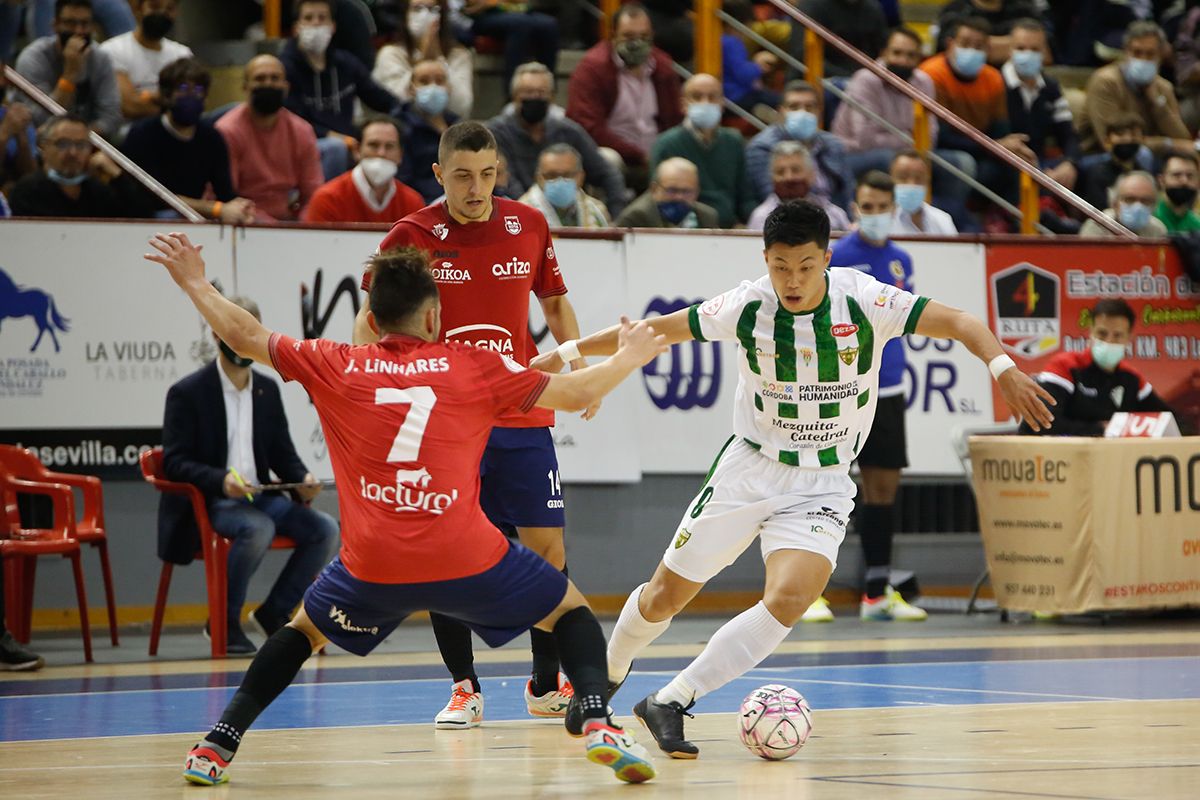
[682, 538]
[847, 355]
[807, 354]
[711, 307]
[549, 253]
[512, 225]
[441, 231]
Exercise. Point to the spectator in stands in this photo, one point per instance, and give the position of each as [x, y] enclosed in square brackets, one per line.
[742, 74]
[913, 215]
[533, 123]
[113, 16]
[183, 151]
[325, 82]
[72, 182]
[140, 55]
[1187, 67]
[426, 35]
[792, 172]
[1000, 14]
[1134, 199]
[625, 93]
[424, 119]
[869, 145]
[1092, 31]
[673, 30]
[860, 22]
[353, 28]
[1133, 85]
[800, 122]
[1124, 152]
[1089, 387]
[1180, 180]
[527, 35]
[718, 153]
[370, 191]
[17, 140]
[76, 75]
[559, 192]
[273, 158]
[672, 200]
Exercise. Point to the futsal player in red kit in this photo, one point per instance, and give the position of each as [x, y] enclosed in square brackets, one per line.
[406, 420]
[488, 254]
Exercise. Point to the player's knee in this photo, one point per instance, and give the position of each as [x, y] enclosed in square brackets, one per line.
[660, 600]
[788, 605]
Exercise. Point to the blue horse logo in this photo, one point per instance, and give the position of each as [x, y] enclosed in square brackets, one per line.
[17, 301]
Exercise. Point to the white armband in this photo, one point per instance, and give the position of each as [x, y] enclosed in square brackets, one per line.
[1000, 364]
[568, 351]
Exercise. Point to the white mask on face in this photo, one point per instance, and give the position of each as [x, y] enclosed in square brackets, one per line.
[314, 39]
[419, 21]
[378, 171]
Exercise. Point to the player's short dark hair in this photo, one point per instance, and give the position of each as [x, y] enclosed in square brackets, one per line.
[59, 5]
[797, 222]
[877, 180]
[468, 135]
[400, 284]
[978, 24]
[1114, 307]
[906, 32]
[181, 71]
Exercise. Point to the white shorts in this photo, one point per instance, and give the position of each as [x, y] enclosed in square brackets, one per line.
[746, 495]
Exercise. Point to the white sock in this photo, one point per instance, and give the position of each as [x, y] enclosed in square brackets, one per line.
[736, 648]
[632, 634]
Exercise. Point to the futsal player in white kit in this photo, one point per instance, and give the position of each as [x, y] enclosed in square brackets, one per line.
[809, 341]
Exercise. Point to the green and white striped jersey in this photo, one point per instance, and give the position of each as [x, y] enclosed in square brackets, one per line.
[807, 383]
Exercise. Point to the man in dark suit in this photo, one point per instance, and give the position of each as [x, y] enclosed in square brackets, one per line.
[224, 428]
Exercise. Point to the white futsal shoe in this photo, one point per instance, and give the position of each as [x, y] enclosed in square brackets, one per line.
[614, 747]
[819, 611]
[890, 607]
[551, 704]
[465, 709]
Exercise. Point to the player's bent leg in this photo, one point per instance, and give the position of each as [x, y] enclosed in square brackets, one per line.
[795, 579]
[547, 692]
[464, 709]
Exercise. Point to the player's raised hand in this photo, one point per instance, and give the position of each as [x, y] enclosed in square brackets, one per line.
[1026, 398]
[640, 341]
[177, 253]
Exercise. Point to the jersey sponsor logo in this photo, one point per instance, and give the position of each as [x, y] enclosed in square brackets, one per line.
[826, 392]
[441, 231]
[1026, 302]
[821, 434]
[682, 537]
[807, 354]
[710, 308]
[829, 515]
[446, 272]
[554, 504]
[692, 376]
[513, 268]
[844, 329]
[847, 355]
[820, 531]
[512, 225]
[412, 493]
[484, 336]
[783, 392]
[879, 301]
[343, 621]
[758, 351]
[445, 254]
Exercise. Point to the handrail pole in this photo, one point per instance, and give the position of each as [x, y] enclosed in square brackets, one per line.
[1030, 208]
[814, 61]
[607, 9]
[273, 18]
[708, 37]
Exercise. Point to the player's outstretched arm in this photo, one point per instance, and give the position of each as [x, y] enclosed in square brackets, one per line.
[638, 343]
[673, 328]
[1024, 396]
[237, 327]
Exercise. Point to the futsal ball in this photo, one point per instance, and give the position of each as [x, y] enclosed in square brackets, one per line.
[774, 722]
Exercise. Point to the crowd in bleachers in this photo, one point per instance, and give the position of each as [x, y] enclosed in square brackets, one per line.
[341, 123]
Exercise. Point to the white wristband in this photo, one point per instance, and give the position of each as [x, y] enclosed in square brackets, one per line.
[1000, 364]
[568, 351]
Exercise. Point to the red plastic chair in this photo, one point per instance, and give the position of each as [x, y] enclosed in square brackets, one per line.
[89, 530]
[20, 548]
[214, 551]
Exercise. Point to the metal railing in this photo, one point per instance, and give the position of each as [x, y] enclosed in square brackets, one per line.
[18, 81]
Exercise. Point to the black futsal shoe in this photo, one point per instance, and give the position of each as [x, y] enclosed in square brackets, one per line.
[665, 723]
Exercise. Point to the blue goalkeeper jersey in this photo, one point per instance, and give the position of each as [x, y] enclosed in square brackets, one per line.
[889, 265]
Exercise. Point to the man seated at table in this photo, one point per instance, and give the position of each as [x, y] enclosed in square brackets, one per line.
[1089, 387]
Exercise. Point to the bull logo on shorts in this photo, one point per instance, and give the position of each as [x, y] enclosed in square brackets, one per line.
[848, 354]
[682, 538]
[693, 376]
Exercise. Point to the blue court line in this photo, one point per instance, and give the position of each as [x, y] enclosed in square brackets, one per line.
[395, 702]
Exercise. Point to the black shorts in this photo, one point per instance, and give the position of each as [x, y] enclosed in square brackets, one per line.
[887, 446]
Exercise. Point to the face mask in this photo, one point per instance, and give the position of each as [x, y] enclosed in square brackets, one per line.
[378, 171]
[186, 111]
[431, 99]
[1181, 196]
[800, 124]
[1107, 355]
[1140, 72]
[314, 39]
[65, 38]
[968, 62]
[674, 211]
[1125, 151]
[634, 52]
[704, 116]
[791, 190]
[266, 100]
[560, 192]
[910, 197]
[1027, 63]
[534, 111]
[234, 358]
[1134, 216]
[419, 21]
[903, 73]
[875, 227]
[63, 180]
[156, 26]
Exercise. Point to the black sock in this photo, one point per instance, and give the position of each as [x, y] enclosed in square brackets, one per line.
[272, 670]
[454, 642]
[545, 660]
[584, 659]
[875, 530]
